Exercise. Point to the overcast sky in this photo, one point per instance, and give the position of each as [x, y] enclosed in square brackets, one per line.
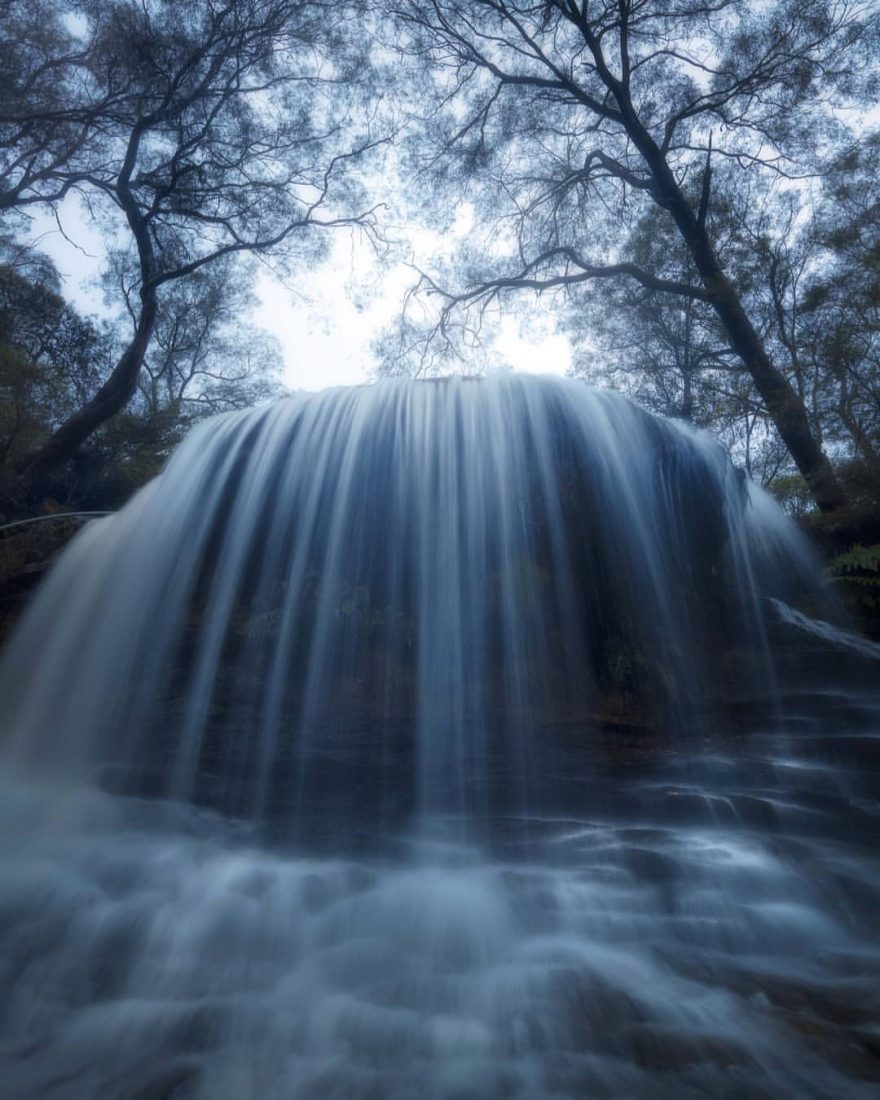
[327, 319]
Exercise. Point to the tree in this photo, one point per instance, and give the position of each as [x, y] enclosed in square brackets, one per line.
[840, 310]
[666, 351]
[203, 130]
[673, 355]
[50, 361]
[578, 116]
[203, 360]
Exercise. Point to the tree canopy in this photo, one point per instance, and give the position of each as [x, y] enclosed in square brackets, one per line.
[197, 131]
[568, 124]
[688, 190]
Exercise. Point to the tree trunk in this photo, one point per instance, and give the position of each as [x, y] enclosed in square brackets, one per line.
[120, 387]
[780, 398]
[110, 399]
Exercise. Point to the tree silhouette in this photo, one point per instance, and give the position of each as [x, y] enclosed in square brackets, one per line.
[565, 120]
[200, 130]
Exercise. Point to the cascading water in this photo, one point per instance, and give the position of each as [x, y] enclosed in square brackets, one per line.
[437, 739]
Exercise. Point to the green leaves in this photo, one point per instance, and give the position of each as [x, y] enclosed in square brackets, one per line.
[858, 565]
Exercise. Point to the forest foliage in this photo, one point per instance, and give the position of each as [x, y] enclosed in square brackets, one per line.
[688, 191]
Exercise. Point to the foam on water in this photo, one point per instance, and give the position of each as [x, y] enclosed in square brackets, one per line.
[158, 959]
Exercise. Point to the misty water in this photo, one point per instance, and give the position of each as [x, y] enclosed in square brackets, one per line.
[469, 739]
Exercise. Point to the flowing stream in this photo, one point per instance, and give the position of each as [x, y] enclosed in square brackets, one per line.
[461, 739]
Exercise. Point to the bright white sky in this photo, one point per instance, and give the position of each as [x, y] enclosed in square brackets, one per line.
[327, 319]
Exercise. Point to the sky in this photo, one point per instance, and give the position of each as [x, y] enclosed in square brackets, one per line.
[327, 318]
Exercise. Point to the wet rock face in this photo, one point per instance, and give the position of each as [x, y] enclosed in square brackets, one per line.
[26, 554]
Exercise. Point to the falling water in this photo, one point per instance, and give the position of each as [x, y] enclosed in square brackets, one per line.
[438, 739]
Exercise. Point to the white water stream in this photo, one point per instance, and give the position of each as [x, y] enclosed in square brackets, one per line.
[437, 740]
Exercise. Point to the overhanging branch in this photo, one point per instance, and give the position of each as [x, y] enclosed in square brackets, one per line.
[577, 271]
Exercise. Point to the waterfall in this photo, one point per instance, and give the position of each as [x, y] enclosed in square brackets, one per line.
[435, 738]
[395, 593]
